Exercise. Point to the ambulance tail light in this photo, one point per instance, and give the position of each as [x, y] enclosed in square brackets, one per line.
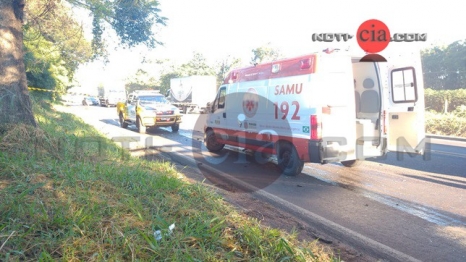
[316, 127]
[306, 63]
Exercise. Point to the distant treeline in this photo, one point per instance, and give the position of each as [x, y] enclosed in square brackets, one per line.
[444, 68]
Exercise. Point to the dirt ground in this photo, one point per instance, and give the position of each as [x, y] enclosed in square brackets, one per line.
[267, 214]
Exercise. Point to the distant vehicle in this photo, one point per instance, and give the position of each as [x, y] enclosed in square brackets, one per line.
[147, 109]
[71, 99]
[90, 101]
[192, 93]
[110, 96]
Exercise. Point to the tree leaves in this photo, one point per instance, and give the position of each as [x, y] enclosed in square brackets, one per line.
[265, 53]
[54, 45]
[445, 67]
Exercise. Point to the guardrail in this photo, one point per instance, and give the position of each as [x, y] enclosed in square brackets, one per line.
[454, 138]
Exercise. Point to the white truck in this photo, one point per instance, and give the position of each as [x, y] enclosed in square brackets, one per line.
[192, 93]
[321, 108]
[112, 94]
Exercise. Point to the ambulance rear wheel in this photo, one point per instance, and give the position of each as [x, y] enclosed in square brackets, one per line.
[288, 160]
[211, 142]
[351, 163]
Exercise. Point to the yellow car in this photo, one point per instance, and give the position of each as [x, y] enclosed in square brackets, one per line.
[147, 109]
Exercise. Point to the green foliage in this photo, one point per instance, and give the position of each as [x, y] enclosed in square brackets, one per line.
[54, 46]
[264, 54]
[449, 121]
[450, 124]
[445, 67]
[460, 111]
[39, 74]
[134, 19]
[44, 67]
[142, 80]
[165, 81]
[98, 45]
[196, 66]
[68, 194]
[436, 100]
[225, 66]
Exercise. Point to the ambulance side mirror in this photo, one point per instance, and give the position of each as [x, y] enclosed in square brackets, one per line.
[210, 107]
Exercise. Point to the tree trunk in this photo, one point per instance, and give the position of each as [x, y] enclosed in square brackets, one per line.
[15, 104]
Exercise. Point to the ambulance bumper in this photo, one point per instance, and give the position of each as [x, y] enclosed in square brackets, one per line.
[318, 153]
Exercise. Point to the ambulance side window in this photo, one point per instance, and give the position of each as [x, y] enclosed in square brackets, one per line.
[221, 98]
[404, 88]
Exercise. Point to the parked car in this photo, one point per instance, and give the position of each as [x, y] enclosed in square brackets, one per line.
[90, 101]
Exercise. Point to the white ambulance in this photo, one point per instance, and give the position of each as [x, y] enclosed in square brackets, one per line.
[321, 108]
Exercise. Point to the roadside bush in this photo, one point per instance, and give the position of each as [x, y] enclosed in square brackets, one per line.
[456, 99]
[460, 111]
[449, 124]
[434, 100]
[437, 100]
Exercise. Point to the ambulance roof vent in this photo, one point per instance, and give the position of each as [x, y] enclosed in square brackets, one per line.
[275, 68]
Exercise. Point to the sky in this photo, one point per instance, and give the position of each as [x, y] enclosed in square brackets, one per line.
[221, 28]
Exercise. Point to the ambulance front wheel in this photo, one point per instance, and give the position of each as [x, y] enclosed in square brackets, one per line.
[211, 141]
[288, 160]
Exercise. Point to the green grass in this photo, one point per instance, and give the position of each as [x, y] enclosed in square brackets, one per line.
[68, 194]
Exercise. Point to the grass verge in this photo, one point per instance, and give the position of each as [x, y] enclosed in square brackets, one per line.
[68, 194]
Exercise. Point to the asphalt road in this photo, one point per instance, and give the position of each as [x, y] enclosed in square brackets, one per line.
[390, 208]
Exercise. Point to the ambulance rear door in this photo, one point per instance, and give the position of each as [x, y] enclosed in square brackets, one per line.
[404, 110]
[336, 94]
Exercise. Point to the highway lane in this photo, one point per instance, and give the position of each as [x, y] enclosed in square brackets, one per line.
[442, 157]
[414, 206]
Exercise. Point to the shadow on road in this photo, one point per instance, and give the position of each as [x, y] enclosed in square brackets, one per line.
[431, 162]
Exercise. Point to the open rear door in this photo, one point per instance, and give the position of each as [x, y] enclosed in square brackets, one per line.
[335, 92]
[404, 112]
